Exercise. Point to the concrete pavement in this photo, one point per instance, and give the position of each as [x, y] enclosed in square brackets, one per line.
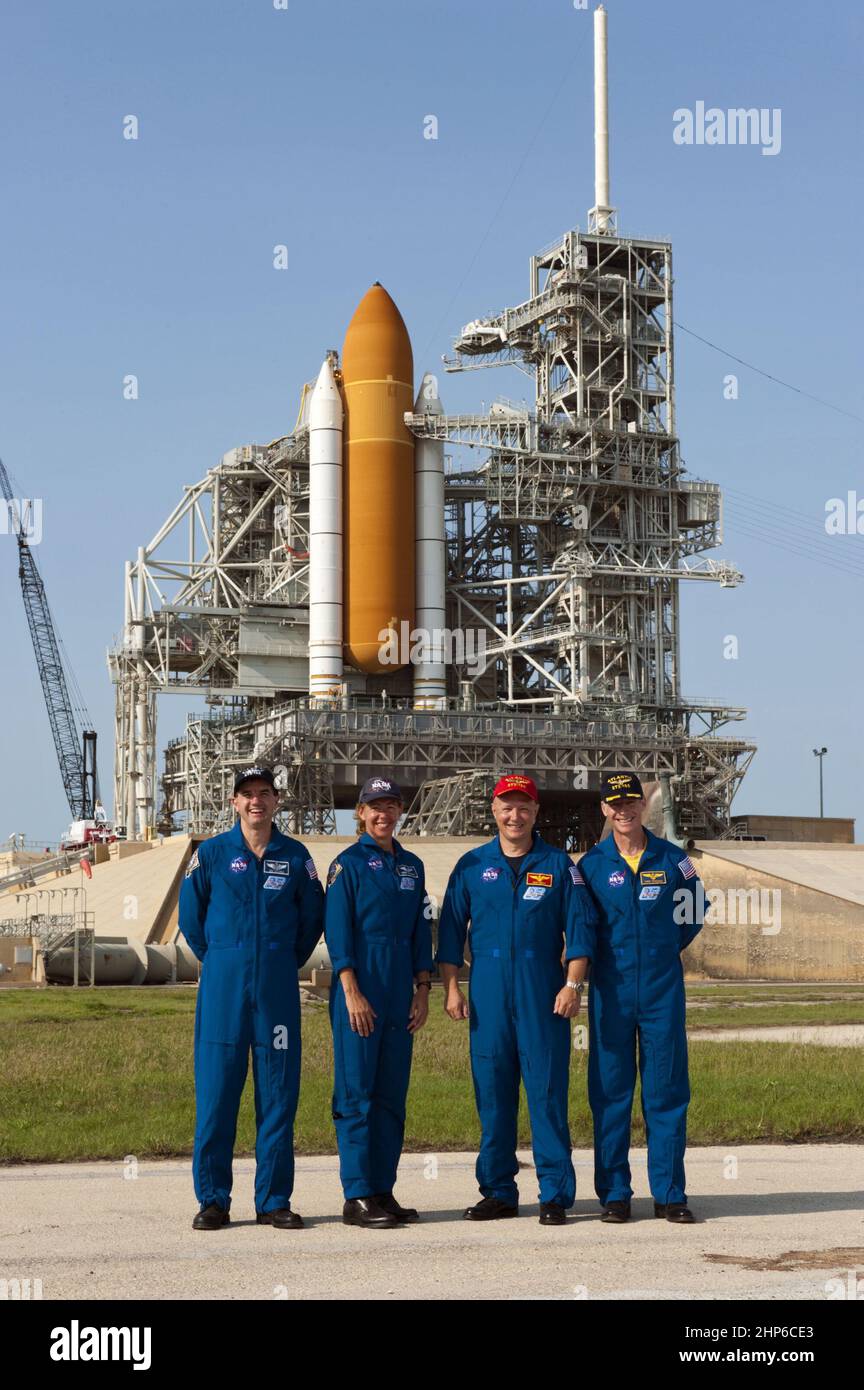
[823, 1035]
[775, 1222]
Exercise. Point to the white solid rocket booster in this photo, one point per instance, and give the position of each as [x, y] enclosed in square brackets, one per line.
[325, 537]
[430, 677]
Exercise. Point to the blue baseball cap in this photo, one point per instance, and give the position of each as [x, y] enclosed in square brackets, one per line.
[376, 788]
[247, 773]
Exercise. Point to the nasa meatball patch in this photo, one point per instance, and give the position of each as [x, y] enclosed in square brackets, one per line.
[616, 879]
[239, 865]
[490, 875]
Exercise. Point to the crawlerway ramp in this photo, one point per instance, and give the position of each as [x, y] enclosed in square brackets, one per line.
[781, 911]
[133, 893]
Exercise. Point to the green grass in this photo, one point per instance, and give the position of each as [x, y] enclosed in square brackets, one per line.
[789, 993]
[775, 1015]
[109, 1073]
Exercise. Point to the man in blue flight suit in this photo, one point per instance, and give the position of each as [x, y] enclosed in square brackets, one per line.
[380, 943]
[527, 908]
[252, 909]
[642, 887]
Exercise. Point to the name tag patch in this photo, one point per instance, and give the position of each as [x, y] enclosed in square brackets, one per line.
[275, 881]
[648, 894]
[276, 866]
[533, 893]
[490, 875]
[652, 876]
[406, 871]
[407, 883]
[538, 880]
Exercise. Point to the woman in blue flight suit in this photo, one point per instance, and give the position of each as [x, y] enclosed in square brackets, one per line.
[377, 932]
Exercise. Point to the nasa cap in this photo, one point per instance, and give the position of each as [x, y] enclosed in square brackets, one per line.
[620, 786]
[516, 782]
[248, 773]
[376, 788]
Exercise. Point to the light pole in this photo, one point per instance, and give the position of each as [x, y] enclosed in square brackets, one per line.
[820, 754]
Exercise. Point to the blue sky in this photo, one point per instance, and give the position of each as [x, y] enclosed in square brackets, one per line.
[304, 127]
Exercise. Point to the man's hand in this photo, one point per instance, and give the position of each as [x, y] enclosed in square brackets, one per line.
[567, 1002]
[455, 1003]
[419, 1011]
[360, 1013]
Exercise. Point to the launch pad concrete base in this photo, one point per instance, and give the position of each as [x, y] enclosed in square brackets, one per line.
[776, 1222]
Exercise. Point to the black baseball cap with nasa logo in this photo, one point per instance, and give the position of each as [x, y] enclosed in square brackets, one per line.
[377, 788]
[620, 786]
[246, 774]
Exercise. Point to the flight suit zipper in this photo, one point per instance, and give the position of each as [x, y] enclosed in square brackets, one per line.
[259, 869]
[515, 878]
[637, 924]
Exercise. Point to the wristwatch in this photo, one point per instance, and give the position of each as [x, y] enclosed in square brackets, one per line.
[423, 984]
[578, 985]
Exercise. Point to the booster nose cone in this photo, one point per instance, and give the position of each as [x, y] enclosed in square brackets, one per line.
[377, 380]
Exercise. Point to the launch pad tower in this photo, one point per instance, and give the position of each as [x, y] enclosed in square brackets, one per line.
[566, 546]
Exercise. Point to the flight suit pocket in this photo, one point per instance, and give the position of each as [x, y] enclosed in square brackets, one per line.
[220, 998]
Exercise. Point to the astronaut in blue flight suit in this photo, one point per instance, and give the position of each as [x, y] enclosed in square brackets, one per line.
[645, 891]
[528, 908]
[252, 909]
[380, 942]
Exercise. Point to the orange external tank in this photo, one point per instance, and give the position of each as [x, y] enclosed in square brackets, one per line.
[378, 483]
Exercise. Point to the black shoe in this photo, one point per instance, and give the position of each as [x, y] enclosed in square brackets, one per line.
[616, 1213]
[283, 1217]
[552, 1214]
[490, 1209]
[679, 1212]
[387, 1202]
[210, 1218]
[365, 1211]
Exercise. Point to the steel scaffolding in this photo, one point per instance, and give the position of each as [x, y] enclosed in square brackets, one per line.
[567, 543]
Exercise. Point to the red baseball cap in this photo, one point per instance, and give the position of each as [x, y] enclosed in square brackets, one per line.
[516, 782]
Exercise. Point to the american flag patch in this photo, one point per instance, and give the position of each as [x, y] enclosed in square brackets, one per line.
[575, 875]
[310, 869]
[686, 867]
